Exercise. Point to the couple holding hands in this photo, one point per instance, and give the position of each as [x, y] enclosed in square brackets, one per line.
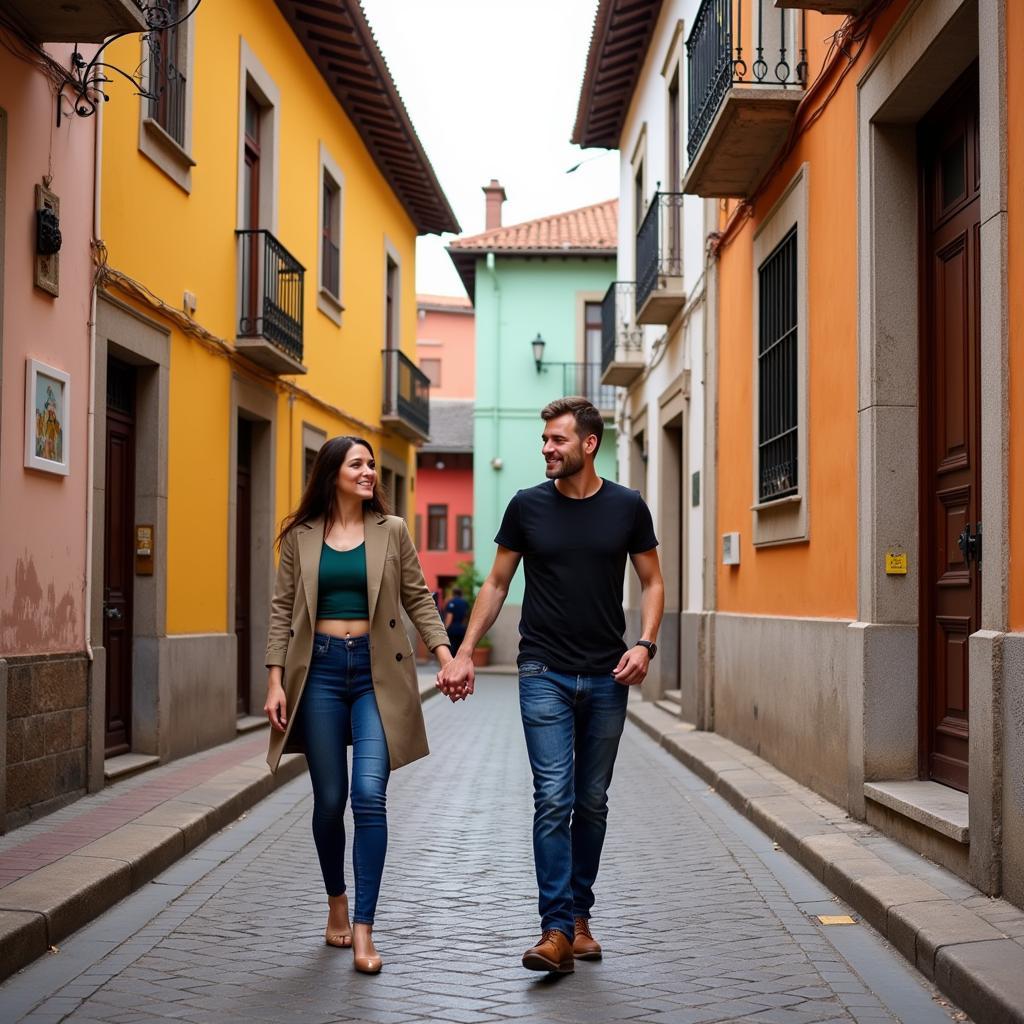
[342, 672]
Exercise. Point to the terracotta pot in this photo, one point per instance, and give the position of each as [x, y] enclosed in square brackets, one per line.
[482, 657]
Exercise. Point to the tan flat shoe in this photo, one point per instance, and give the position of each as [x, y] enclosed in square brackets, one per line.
[368, 964]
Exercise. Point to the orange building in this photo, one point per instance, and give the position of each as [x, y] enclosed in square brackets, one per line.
[445, 344]
[856, 159]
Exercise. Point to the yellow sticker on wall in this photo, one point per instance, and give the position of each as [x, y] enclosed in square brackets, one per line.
[895, 564]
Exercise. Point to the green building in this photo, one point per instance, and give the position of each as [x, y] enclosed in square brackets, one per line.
[537, 289]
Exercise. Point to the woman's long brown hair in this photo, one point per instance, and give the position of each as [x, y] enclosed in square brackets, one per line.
[319, 500]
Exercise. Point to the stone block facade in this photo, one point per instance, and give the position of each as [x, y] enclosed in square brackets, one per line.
[46, 735]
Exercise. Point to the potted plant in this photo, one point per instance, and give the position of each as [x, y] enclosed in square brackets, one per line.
[482, 652]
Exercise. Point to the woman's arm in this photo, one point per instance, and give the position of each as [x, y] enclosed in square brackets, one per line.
[279, 633]
[416, 598]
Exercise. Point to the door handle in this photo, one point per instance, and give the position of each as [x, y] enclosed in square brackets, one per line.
[113, 613]
[970, 545]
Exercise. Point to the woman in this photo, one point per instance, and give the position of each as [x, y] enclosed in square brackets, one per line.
[342, 671]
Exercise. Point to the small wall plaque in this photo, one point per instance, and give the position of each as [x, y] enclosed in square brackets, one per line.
[730, 549]
[895, 563]
[144, 549]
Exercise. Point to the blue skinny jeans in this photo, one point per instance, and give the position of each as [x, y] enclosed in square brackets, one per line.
[573, 725]
[339, 698]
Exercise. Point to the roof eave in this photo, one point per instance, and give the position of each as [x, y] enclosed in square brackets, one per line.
[431, 212]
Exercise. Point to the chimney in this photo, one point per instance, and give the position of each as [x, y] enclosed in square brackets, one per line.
[495, 196]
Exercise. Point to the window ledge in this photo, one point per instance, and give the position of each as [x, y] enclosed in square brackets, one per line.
[329, 304]
[777, 503]
[166, 153]
[930, 804]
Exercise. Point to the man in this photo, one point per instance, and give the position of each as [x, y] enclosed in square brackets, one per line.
[574, 532]
[456, 611]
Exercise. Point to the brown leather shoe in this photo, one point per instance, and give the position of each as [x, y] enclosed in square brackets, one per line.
[552, 953]
[584, 945]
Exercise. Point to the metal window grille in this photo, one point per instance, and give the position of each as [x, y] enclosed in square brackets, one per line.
[777, 372]
[167, 82]
[585, 379]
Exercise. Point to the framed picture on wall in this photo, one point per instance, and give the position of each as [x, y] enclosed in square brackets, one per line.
[47, 417]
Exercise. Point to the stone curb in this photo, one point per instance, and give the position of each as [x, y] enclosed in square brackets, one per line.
[44, 907]
[971, 961]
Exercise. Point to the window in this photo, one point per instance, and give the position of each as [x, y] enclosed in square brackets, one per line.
[418, 534]
[638, 196]
[165, 112]
[779, 369]
[589, 385]
[463, 533]
[167, 81]
[330, 254]
[437, 527]
[777, 372]
[312, 441]
[432, 368]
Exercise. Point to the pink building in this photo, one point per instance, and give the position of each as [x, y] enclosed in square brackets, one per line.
[444, 477]
[47, 203]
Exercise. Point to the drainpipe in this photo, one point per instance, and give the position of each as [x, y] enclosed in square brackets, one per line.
[90, 432]
[492, 270]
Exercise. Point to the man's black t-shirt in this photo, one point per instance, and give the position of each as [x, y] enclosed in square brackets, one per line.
[574, 552]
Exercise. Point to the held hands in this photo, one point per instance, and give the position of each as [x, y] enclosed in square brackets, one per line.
[456, 679]
[632, 667]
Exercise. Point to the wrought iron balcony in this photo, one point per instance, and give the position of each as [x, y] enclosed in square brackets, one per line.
[747, 69]
[406, 396]
[270, 302]
[622, 340]
[85, 21]
[659, 260]
[585, 379]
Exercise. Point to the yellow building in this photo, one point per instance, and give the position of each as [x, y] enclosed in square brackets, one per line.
[259, 209]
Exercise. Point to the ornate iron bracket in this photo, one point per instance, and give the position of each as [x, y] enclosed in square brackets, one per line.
[86, 79]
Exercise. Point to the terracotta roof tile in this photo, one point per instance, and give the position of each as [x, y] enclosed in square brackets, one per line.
[459, 302]
[590, 228]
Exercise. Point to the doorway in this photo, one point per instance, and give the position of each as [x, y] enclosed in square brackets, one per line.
[243, 565]
[118, 560]
[951, 553]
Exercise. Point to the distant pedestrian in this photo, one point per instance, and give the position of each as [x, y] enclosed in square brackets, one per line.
[346, 570]
[574, 532]
[456, 616]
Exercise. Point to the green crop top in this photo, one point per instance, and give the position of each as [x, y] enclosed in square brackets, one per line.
[341, 590]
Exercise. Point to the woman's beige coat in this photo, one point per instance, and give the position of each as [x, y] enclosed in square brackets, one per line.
[393, 580]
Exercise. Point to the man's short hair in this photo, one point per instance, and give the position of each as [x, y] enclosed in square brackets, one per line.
[456, 591]
[588, 419]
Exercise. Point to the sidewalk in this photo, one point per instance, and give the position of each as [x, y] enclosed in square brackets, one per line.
[970, 945]
[62, 871]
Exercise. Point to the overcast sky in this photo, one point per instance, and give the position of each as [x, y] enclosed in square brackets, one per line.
[491, 87]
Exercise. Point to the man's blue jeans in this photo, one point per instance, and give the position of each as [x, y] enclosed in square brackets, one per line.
[339, 701]
[572, 725]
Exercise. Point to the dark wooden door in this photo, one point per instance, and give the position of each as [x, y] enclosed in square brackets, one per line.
[951, 426]
[243, 562]
[118, 554]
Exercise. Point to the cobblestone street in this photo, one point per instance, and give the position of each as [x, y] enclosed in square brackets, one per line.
[702, 920]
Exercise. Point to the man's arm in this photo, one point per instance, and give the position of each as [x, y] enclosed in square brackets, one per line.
[632, 667]
[457, 678]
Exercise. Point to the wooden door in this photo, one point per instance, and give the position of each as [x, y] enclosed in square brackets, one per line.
[243, 563]
[951, 427]
[118, 554]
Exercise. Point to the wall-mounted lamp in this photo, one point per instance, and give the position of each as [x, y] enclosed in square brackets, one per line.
[538, 344]
[496, 462]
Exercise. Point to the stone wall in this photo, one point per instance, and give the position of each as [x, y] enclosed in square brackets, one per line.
[46, 731]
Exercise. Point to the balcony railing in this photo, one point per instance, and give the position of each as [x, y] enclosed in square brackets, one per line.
[747, 66]
[585, 379]
[659, 260]
[622, 340]
[406, 396]
[271, 301]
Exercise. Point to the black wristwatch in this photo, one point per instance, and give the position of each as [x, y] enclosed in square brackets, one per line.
[652, 647]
